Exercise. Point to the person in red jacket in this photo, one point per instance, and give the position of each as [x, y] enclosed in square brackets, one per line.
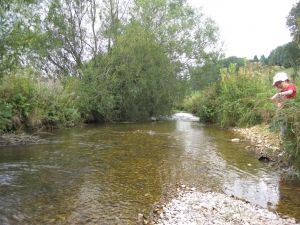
[287, 90]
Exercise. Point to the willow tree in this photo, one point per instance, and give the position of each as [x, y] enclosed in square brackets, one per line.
[17, 30]
[150, 56]
[187, 36]
[74, 31]
[136, 81]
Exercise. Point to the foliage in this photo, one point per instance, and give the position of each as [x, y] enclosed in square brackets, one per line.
[225, 63]
[28, 104]
[17, 95]
[16, 33]
[124, 61]
[288, 116]
[287, 55]
[135, 81]
[191, 104]
[58, 104]
[239, 98]
[5, 115]
[201, 77]
[293, 22]
[186, 35]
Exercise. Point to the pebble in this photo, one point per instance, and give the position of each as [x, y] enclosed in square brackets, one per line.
[195, 207]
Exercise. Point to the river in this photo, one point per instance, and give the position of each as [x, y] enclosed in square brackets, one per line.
[108, 173]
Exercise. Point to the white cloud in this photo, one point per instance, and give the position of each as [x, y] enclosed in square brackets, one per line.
[249, 27]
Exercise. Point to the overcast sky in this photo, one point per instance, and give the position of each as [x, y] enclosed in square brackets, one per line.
[249, 27]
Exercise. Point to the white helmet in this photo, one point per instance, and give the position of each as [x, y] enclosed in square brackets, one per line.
[280, 77]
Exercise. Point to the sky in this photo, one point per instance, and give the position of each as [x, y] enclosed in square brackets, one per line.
[249, 27]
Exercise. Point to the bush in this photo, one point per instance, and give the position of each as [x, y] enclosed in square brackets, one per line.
[191, 104]
[17, 100]
[28, 104]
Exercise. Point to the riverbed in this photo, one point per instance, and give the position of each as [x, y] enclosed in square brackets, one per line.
[109, 173]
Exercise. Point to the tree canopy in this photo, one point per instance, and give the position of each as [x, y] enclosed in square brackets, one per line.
[293, 22]
[132, 57]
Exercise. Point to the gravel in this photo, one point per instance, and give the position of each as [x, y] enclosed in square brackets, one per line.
[193, 207]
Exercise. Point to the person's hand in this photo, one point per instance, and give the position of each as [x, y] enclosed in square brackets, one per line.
[274, 97]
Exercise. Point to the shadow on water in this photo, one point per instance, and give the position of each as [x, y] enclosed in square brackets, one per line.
[108, 173]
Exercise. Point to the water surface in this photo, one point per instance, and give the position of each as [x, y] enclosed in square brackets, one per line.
[108, 173]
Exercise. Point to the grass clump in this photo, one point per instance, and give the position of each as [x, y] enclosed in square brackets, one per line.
[240, 98]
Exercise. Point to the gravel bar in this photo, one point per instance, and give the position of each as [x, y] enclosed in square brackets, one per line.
[193, 207]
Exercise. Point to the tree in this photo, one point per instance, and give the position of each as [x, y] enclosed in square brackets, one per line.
[136, 80]
[286, 55]
[188, 37]
[239, 62]
[62, 45]
[292, 59]
[201, 77]
[17, 31]
[74, 31]
[275, 57]
[263, 60]
[293, 22]
[255, 59]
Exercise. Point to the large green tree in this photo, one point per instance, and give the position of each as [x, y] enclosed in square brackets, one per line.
[188, 37]
[135, 81]
[293, 22]
[17, 31]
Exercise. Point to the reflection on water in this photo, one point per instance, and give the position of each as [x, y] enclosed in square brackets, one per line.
[108, 173]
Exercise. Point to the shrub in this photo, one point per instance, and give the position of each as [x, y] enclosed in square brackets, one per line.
[17, 99]
[28, 104]
[191, 104]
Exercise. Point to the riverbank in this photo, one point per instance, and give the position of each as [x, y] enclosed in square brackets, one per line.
[265, 143]
[261, 138]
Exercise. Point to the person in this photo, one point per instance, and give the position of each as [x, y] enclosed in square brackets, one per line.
[287, 90]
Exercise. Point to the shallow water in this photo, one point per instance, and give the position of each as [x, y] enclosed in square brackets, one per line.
[108, 173]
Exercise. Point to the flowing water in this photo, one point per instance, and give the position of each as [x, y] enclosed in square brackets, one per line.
[108, 173]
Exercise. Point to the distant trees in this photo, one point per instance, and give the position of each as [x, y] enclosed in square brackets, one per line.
[232, 60]
[287, 56]
[255, 59]
[263, 60]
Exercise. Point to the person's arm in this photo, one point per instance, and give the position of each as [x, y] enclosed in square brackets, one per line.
[288, 92]
[275, 96]
[281, 94]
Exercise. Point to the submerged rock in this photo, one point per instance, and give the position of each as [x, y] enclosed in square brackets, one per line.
[235, 140]
[264, 159]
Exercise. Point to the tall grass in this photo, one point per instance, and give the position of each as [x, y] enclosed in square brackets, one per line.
[288, 116]
[240, 98]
